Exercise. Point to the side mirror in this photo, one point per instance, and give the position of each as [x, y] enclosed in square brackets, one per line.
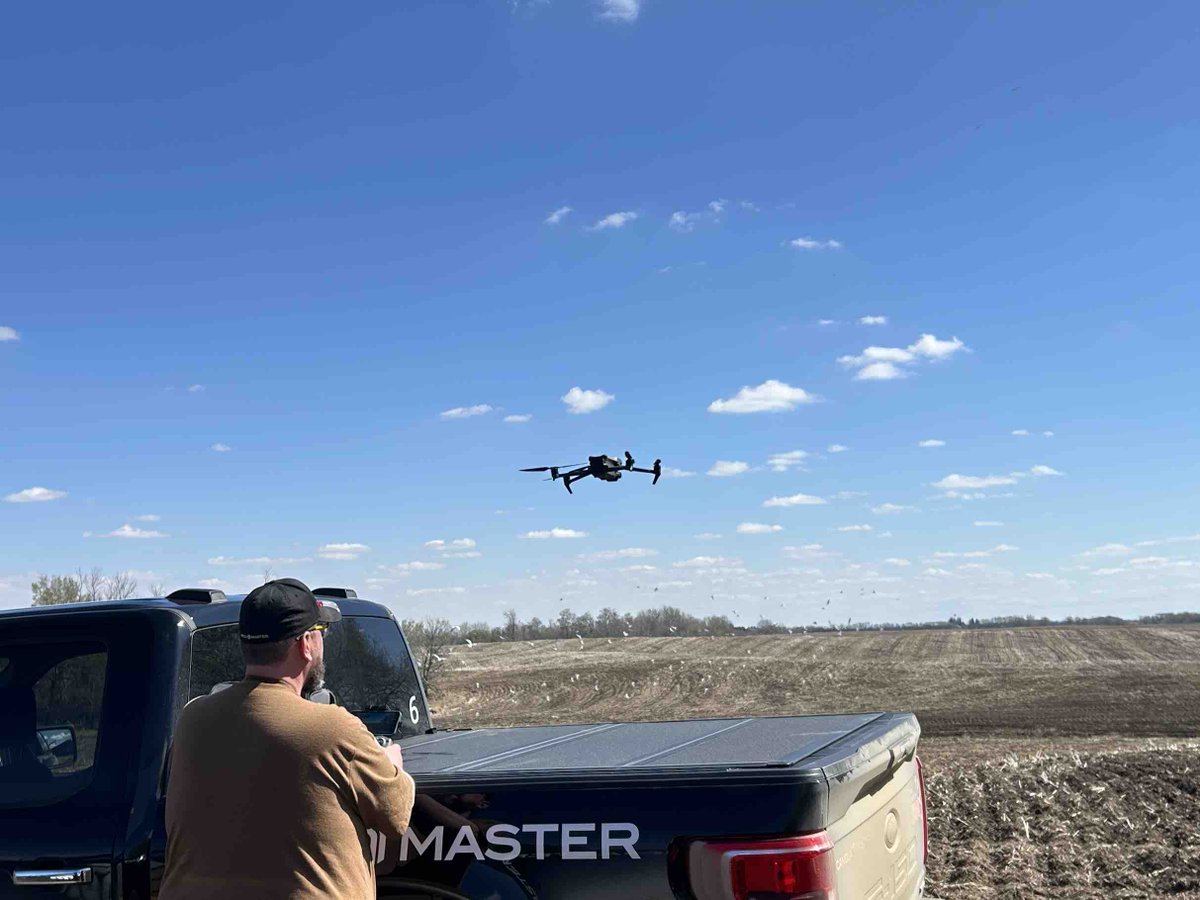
[58, 746]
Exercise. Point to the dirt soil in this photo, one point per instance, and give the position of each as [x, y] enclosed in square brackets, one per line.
[1060, 762]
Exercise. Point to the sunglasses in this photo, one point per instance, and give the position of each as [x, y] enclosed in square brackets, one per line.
[320, 626]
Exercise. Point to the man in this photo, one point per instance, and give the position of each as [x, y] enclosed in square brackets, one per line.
[271, 795]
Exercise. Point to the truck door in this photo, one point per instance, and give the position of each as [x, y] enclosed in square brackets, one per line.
[71, 693]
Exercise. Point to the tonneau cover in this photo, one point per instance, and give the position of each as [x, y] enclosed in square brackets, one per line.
[630, 747]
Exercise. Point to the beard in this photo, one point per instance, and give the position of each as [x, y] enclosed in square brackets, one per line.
[315, 680]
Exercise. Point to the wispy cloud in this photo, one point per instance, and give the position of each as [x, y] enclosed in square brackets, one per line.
[687, 221]
[708, 562]
[558, 215]
[782, 462]
[554, 534]
[580, 402]
[433, 592]
[623, 553]
[130, 531]
[707, 536]
[988, 524]
[8, 333]
[456, 544]
[1020, 432]
[1042, 471]
[727, 468]
[974, 554]
[342, 551]
[888, 509]
[956, 482]
[825, 322]
[220, 448]
[873, 320]
[897, 561]
[620, 10]
[884, 363]
[836, 448]
[35, 495]
[403, 570]
[465, 412]
[807, 243]
[757, 528]
[770, 396]
[931, 442]
[794, 500]
[257, 560]
[149, 517]
[672, 472]
[195, 388]
[518, 419]
[855, 528]
[614, 220]
[1107, 550]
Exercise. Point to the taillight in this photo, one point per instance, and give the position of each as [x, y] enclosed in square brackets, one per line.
[794, 868]
[924, 811]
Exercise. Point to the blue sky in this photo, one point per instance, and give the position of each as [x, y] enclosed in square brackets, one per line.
[306, 234]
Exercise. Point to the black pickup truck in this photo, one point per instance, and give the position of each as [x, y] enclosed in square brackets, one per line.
[774, 808]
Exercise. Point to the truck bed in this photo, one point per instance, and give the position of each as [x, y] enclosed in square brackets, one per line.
[627, 748]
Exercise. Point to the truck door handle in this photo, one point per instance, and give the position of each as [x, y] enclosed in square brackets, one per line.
[52, 876]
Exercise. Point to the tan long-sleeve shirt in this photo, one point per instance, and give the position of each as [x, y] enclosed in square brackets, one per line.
[271, 796]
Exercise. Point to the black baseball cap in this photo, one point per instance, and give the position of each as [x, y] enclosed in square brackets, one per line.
[282, 609]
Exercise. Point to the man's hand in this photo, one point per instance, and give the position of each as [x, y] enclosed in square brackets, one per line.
[393, 753]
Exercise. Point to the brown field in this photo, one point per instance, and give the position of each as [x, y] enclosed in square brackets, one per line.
[1058, 759]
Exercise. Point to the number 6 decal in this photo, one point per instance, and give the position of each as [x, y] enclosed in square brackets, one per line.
[413, 712]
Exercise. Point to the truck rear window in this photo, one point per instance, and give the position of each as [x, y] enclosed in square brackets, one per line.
[51, 698]
[367, 667]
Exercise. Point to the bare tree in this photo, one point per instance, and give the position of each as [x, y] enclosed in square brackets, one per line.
[91, 584]
[158, 589]
[268, 574]
[430, 640]
[119, 586]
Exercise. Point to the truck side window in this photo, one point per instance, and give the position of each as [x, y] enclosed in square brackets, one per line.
[51, 699]
[367, 668]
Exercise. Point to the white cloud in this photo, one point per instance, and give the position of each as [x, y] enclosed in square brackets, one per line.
[620, 10]
[149, 517]
[220, 448]
[955, 482]
[807, 243]
[35, 495]
[8, 333]
[707, 536]
[195, 388]
[1043, 470]
[1107, 550]
[932, 442]
[129, 531]
[342, 551]
[897, 561]
[256, 560]
[465, 412]
[465, 554]
[849, 495]
[1039, 576]
[614, 220]
[827, 322]
[517, 419]
[403, 570]
[805, 551]
[887, 509]
[557, 216]
[880, 371]
[781, 462]
[989, 524]
[873, 320]
[623, 553]
[757, 528]
[1182, 539]
[1020, 432]
[1047, 434]
[1153, 562]
[642, 567]
[883, 363]
[974, 554]
[770, 396]
[580, 402]
[554, 533]
[708, 562]
[855, 528]
[672, 472]
[794, 500]
[456, 544]
[724, 468]
[1110, 571]
[427, 592]
[687, 221]
[836, 448]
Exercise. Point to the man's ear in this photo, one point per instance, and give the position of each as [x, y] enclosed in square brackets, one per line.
[306, 650]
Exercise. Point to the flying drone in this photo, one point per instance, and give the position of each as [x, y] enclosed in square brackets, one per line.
[603, 467]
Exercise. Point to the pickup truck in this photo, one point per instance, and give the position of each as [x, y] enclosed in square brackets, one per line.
[773, 808]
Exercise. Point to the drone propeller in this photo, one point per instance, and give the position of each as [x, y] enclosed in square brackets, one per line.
[552, 468]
